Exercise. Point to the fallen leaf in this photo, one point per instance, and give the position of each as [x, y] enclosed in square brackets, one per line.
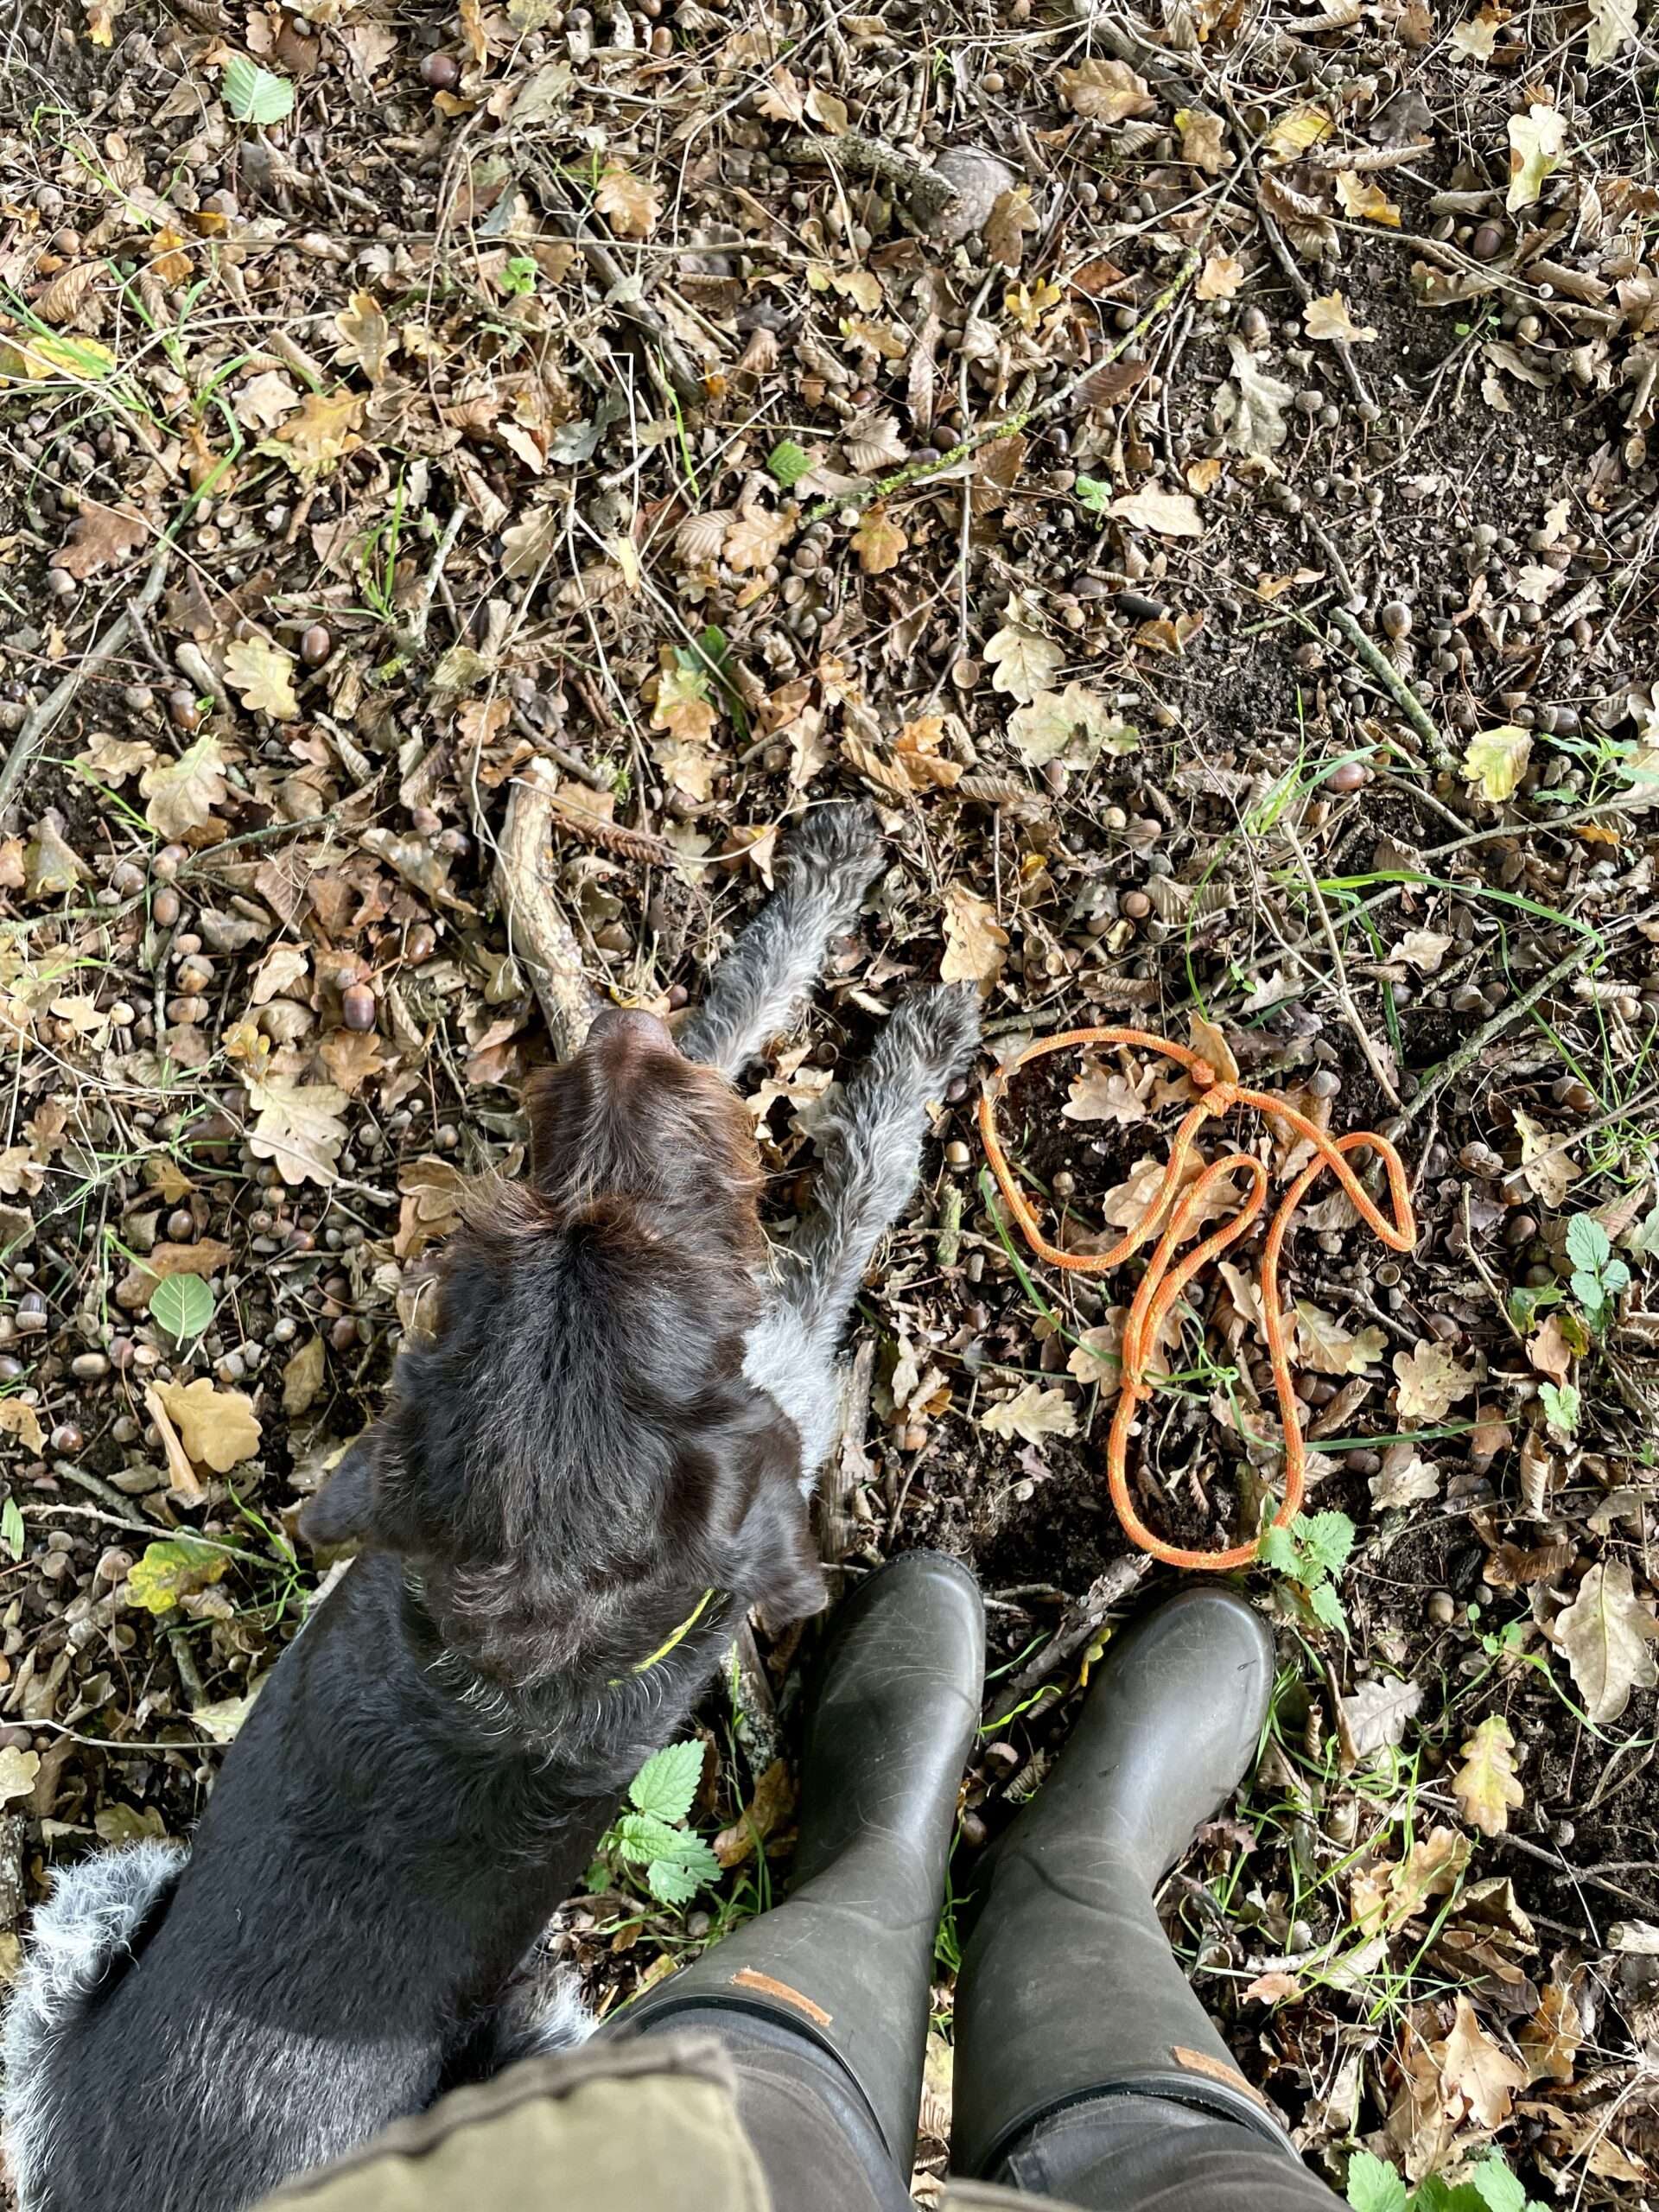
[1537, 147]
[1169, 514]
[1431, 1379]
[1408, 1481]
[1485, 1785]
[298, 1127]
[22, 1421]
[1329, 1349]
[1477, 2071]
[1326, 316]
[1203, 139]
[265, 400]
[366, 339]
[1075, 725]
[264, 674]
[112, 759]
[1251, 405]
[1612, 28]
[1549, 2040]
[99, 537]
[1032, 1413]
[1608, 1635]
[1546, 1163]
[1275, 1987]
[1363, 198]
[278, 975]
[1497, 761]
[1548, 1349]
[322, 434]
[756, 538]
[1106, 91]
[976, 944]
[879, 544]
[1209, 1040]
[1220, 277]
[302, 1377]
[632, 205]
[1098, 1356]
[1297, 130]
[1475, 40]
[182, 794]
[1022, 664]
[1377, 1714]
[172, 1568]
[1424, 949]
[1102, 1093]
[218, 1427]
[18, 1772]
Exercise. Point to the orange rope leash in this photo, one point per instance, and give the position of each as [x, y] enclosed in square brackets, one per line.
[1165, 1277]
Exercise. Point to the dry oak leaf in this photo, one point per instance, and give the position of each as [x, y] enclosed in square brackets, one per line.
[265, 400]
[1032, 1413]
[756, 538]
[1547, 1166]
[1251, 405]
[1022, 664]
[689, 768]
[1098, 1356]
[1374, 1715]
[1326, 316]
[1363, 198]
[1608, 1635]
[976, 944]
[1105, 91]
[218, 1427]
[1327, 1347]
[1475, 2069]
[1409, 1480]
[1203, 139]
[1485, 1785]
[263, 675]
[1100, 1093]
[879, 544]
[99, 536]
[1611, 27]
[366, 339]
[1537, 148]
[682, 706]
[1549, 2040]
[1170, 514]
[181, 795]
[282, 968]
[1220, 277]
[297, 1127]
[303, 1377]
[1495, 762]
[323, 432]
[1424, 949]
[1476, 40]
[630, 204]
[208, 1256]
[23, 1422]
[21, 1175]
[1431, 1378]
[1076, 725]
[112, 759]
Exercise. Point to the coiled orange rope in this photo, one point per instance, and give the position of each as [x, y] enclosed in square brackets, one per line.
[1166, 1278]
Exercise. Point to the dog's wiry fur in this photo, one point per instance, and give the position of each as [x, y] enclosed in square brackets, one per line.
[619, 1407]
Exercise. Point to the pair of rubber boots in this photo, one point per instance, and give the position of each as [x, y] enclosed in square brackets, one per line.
[1084, 2067]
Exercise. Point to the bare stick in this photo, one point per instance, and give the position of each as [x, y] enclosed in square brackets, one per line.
[1471, 1049]
[1339, 971]
[849, 1463]
[413, 637]
[1439, 753]
[57, 702]
[541, 937]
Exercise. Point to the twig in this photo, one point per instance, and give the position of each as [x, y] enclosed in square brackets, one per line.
[916, 471]
[1471, 1049]
[572, 763]
[1338, 979]
[412, 637]
[58, 701]
[865, 157]
[537, 927]
[196, 1690]
[1304, 290]
[1120, 1580]
[849, 1463]
[622, 294]
[1441, 755]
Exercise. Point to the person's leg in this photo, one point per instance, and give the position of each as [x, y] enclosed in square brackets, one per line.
[823, 2002]
[1085, 2068]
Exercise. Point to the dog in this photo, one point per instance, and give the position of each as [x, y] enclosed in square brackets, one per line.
[601, 1455]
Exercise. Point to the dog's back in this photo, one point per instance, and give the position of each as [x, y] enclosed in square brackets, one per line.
[298, 1981]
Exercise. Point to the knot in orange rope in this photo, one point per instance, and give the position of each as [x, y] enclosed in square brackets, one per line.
[1166, 1277]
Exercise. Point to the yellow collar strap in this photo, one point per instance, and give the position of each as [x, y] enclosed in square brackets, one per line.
[679, 1636]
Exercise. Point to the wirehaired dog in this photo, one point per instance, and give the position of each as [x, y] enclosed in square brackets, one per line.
[603, 1455]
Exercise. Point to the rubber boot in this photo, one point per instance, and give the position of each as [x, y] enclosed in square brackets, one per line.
[847, 1960]
[1069, 1991]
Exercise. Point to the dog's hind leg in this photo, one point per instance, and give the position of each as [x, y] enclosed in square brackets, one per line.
[870, 1142]
[758, 988]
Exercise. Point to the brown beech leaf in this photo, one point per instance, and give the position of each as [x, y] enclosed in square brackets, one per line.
[1608, 1636]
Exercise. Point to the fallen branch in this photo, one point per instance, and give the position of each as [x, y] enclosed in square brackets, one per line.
[917, 471]
[541, 938]
[1084, 1621]
[58, 701]
[1441, 755]
[931, 193]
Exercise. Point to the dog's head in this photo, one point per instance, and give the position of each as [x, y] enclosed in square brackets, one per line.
[574, 1455]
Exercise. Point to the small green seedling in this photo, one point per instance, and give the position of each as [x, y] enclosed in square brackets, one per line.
[1597, 1277]
[1373, 2186]
[654, 1836]
[519, 276]
[1561, 1407]
[1093, 495]
[1311, 1553]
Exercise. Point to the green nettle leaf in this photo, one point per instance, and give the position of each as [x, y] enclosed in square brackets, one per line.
[1588, 1244]
[667, 1783]
[1277, 1551]
[641, 1837]
[1326, 1606]
[1327, 1537]
[254, 95]
[183, 1305]
[788, 462]
[13, 1534]
[1496, 2187]
[1373, 2184]
[668, 1884]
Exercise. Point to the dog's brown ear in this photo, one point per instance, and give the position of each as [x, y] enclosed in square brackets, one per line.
[342, 1512]
[789, 1582]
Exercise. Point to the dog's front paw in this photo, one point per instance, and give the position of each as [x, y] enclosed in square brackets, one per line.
[838, 847]
[938, 1029]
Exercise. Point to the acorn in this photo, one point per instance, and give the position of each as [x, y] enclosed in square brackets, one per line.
[1488, 242]
[357, 1007]
[315, 646]
[442, 72]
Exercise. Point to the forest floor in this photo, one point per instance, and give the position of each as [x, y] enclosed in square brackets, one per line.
[1195, 474]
